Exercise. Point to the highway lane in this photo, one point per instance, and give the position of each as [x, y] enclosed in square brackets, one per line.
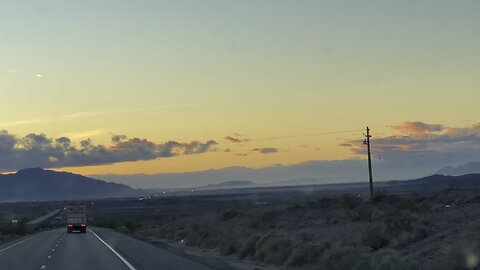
[97, 249]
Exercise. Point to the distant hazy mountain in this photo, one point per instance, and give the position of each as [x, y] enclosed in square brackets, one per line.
[324, 171]
[228, 184]
[439, 182]
[39, 184]
[469, 168]
[303, 181]
[231, 184]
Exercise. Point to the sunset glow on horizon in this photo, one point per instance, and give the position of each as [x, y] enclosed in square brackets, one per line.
[195, 86]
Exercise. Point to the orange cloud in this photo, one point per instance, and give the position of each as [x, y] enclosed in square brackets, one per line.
[236, 138]
[266, 150]
[418, 128]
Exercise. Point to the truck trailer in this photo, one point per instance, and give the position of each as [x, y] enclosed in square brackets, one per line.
[76, 218]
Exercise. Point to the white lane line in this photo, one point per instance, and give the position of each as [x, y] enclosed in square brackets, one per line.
[114, 252]
[53, 250]
[43, 266]
[9, 247]
[49, 257]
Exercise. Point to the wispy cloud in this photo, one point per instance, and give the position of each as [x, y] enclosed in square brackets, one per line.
[236, 138]
[417, 128]
[79, 115]
[84, 134]
[25, 122]
[266, 150]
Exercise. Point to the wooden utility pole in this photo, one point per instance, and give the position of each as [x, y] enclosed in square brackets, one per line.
[367, 142]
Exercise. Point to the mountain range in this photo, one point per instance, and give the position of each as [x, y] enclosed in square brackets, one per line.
[436, 182]
[38, 184]
[469, 168]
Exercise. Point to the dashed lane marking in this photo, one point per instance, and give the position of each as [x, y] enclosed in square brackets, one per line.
[43, 266]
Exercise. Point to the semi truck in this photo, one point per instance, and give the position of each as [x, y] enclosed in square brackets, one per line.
[76, 218]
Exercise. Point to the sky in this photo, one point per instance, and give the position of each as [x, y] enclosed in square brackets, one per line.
[129, 87]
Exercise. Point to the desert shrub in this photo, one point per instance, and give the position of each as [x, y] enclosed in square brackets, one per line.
[380, 196]
[406, 230]
[299, 206]
[254, 223]
[475, 199]
[248, 248]
[191, 239]
[194, 227]
[18, 229]
[181, 234]
[229, 215]
[459, 258]
[342, 258]
[161, 232]
[399, 223]
[170, 235]
[375, 237]
[269, 217]
[273, 250]
[350, 202]
[228, 246]
[112, 224]
[389, 260]
[414, 202]
[420, 232]
[209, 240]
[405, 238]
[362, 214]
[306, 236]
[324, 203]
[306, 254]
[266, 220]
[132, 226]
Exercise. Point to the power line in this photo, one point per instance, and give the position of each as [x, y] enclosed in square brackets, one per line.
[303, 135]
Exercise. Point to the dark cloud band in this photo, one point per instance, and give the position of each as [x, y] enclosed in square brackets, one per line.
[38, 150]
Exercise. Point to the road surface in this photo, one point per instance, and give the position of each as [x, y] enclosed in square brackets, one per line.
[97, 249]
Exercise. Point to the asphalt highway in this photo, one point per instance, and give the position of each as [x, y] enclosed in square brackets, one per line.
[96, 249]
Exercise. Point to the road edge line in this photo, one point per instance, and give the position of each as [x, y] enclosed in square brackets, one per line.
[18, 243]
[113, 251]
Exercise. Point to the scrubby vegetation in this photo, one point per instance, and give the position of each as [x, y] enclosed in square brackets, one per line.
[14, 218]
[346, 232]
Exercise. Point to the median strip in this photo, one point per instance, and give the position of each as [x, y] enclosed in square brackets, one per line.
[113, 250]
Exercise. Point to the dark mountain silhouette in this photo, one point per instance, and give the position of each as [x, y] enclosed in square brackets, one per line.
[39, 184]
[469, 168]
[439, 182]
